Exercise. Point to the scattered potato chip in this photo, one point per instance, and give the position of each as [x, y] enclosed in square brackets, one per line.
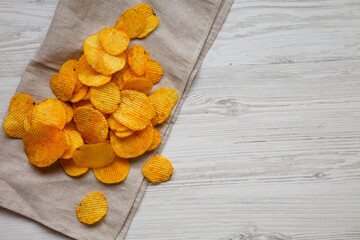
[131, 22]
[69, 111]
[138, 84]
[94, 155]
[71, 169]
[151, 20]
[135, 110]
[158, 169]
[137, 58]
[118, 77]
[101, 61]
[133, 145]
[49, 112]
[156, 141]
[20, 101]
[27, 121]
[162, 107]
[153, 71]
[44, 144]
[116, 172]
[92, 208]
[125, 133]
[115, 125]
[63, 85]
[75, 140]
[88, 76]
[106, 98]
[91, 124]
[80, 94]
[170, 93]
[113, 41]
[83, 103]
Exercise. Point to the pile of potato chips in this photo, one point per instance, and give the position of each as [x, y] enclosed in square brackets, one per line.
[102, 115]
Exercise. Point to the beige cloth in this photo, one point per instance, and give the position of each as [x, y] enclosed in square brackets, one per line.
[186, 31]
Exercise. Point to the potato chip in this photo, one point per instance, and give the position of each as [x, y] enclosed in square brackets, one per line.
[87, 95]
[135, 110]
[83, 103]
[92, 208]
[138, 84]
[91, 124]
[106, 98]
[116, 172]
[49, 112]
[101, 61]
[115, 125]
[127, 76]
[156, 141]
[170, 93]
[21, 101]
[133, 145]
[137, 58]
[69, 111]
[158, 169]
[162, 107]
[153, 71]
[88, 76]
[80, 94]
[113, 41]
[71, 169]
[27, 121]
[125, 133]
[75, 140]
[69, 67]
[44, 144]
[151, 20]
[63, 85]
[94, 155]
[131, 22]
[118, 77]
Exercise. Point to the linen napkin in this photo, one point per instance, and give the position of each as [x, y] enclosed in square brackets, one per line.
[185, 33]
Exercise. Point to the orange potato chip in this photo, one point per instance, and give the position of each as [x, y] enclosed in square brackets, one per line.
[115, 125]
[170, 93]
[88, 76]
[125, 133]
[151, 20]
[63, 85]
[69, 111]
[80, 94]
[127, 76]
[162, 107]
[116, 172]
[113, 41]
[153, 71]
[118, 77]
[71, 169]
[44, 144]
[83, 103]
[133, 145]
[156, 141]
[106, 98]
[158, 169]
[69, 67]
[49, 112]
[94, 155]
[101, 61]
[92, 208]
[27, 121]
[91, 124]
[131, 22]
[75, 140]
[20, 101]
[138, 84]
[135, 110]
[87, 95]
[137, 58]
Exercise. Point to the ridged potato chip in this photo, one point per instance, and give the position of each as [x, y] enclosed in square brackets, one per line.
[162, 107]
[75, 140]
[21, 100]
[92, 208]
[158, 169]
[131, 22]
[113, 41]
[49, 112]
[80, 94]
[135, 110]
[44, 144]
[88, 76]
[156, 141]
[151, 20]
[69, 111]
[170, 93]
[101, 61]
[71, 169]
[137, 58]
[133, 145]
[127, 76]
[115, 125]
[69, 67]
[125, 133]
[116, 172]
[118, 77]
[153, 71]
[91, 124]
[94, 155]
[106, 98]
[83, 103]
[87, 95]
[63, 85]
[27, 121]
[138, 84]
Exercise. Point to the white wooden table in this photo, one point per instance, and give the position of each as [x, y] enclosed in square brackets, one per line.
[267, 143]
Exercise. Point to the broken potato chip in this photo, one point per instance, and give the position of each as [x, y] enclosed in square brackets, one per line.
[92, 208]
[158, 169]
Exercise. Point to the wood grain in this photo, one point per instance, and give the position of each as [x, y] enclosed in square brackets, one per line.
[267, 143]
